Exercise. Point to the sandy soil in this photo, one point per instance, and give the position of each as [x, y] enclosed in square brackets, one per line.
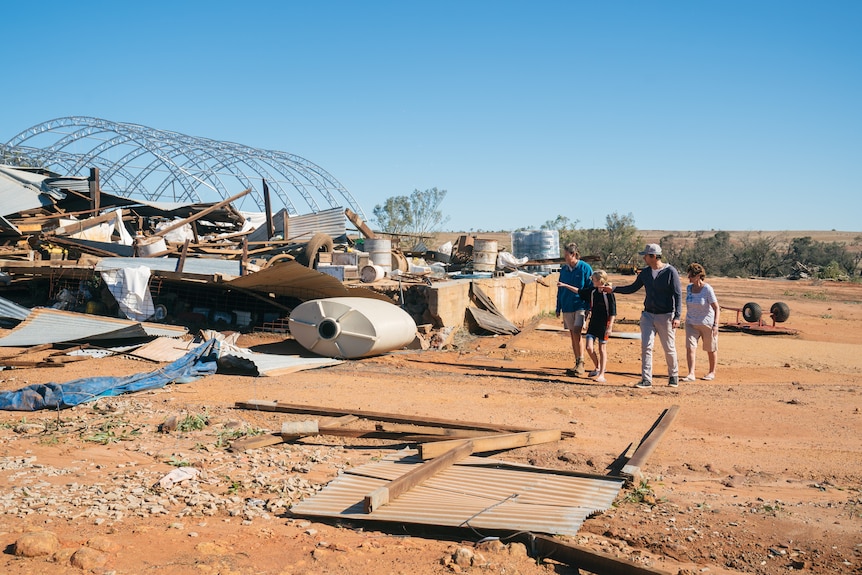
[760, 472]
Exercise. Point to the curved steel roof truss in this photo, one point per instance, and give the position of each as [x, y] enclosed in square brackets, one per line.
[135, 160]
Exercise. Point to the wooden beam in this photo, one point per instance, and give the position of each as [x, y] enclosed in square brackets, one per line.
[263, 405]
[183, 253]
[95, 190]
[360, 225]
[200, 214]
[257, 441]
[270, 225]
[544, 547]
[394, 489]
[84, 224]
[442, 432]
[492, 442]
[649, 442]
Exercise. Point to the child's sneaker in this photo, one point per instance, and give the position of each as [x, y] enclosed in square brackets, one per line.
[594, 373]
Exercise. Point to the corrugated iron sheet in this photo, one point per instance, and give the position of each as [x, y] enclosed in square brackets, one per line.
[12, 310]
[293, 279]
[46, 325]
[201, 266]
[300, 228]
[477, 492]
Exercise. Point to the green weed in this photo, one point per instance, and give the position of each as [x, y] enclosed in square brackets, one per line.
[226, 436]
[193, 422]
[643, 493]
[113, 431]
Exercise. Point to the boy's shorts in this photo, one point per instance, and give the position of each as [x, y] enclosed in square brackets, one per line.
[574, 320]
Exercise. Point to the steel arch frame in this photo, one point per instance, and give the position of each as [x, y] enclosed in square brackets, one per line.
[196, 165]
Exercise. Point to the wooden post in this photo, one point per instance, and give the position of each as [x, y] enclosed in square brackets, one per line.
[360, 225]
[270, 226]
[95, 191]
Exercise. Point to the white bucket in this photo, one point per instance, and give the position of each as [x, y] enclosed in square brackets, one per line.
[146, 247]
[349, 327]
[379, 253]
[484, 255]
[371, 273]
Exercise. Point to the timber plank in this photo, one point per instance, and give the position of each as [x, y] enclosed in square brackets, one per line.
[492, 442]
[397, 487]
[264, 405]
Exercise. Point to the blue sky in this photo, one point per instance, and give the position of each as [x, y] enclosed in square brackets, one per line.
[690, 115]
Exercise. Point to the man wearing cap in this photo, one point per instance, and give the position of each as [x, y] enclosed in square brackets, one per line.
[662, 310]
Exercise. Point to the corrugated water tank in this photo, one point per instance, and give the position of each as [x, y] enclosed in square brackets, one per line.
[537, 245]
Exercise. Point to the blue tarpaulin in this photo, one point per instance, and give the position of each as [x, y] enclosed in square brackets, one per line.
[197, 363]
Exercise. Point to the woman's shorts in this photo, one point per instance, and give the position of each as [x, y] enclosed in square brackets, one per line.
[704, 332]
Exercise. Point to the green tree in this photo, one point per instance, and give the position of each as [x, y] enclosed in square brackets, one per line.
[395, 216]
[758, 256]
[622, 241]
[426, 215]
[418, 214]
[714, 252]
[814, 254]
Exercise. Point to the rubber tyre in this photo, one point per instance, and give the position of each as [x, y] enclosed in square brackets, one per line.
[277, 259]
[751, 312]
[780, 312]
[318, 243]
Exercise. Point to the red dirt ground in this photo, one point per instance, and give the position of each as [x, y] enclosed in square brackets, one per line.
[760, 472]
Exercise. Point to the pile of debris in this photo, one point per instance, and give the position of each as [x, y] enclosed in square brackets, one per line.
[67, 246]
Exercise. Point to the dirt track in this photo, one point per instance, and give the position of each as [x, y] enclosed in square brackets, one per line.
[761, 471]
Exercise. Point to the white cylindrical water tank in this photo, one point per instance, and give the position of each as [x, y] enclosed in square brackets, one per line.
[351, 327]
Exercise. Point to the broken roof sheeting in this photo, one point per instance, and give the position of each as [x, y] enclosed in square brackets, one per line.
[12, 310]
[477, 492]
[21, 190]
[47, 325]
[293, 279]
[267, 364]
[301, 228]
[200, 266]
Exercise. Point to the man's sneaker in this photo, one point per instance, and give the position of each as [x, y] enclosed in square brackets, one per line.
[673, 381]
[572, 372]
[644, 384]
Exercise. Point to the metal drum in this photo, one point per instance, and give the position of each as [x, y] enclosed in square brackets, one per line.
[379, 253]
[484, 255]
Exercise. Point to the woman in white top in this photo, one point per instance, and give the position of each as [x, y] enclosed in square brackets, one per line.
[701, 320]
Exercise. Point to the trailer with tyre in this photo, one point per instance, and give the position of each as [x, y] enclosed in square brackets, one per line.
[753, 316]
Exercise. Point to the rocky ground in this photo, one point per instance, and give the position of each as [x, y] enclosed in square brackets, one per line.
[760, 472]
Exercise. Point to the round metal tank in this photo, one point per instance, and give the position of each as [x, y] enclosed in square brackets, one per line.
[484, 255]
[379, 252]
[350, 327]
